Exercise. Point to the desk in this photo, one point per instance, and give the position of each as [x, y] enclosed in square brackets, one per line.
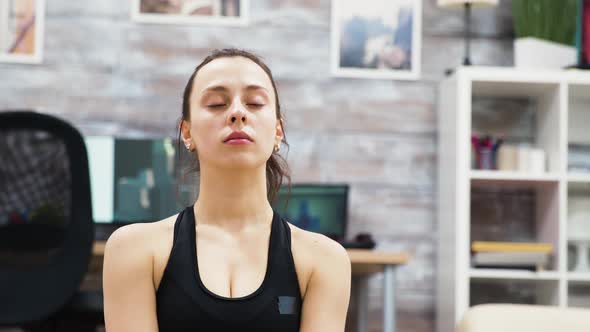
[364, 263]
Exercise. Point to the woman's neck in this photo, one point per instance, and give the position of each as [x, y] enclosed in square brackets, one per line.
[232, 198]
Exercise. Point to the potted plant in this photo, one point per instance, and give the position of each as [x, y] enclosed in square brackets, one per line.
[545, 33]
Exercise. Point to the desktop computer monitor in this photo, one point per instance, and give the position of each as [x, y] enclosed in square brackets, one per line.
[320, 208]
[136, 180]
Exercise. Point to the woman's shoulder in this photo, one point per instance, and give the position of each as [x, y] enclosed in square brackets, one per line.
[316, 254]
[140, 235]
[128, 279]
[316, 243]
[139, 243]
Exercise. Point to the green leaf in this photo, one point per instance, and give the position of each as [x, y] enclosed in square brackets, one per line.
[552, 20]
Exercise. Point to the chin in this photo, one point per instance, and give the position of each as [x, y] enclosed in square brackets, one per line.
[242, 162]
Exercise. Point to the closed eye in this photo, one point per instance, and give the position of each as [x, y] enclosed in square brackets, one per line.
[223, 105]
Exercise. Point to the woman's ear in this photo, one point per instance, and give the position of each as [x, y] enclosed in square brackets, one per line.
[279, 131]
[186, 134]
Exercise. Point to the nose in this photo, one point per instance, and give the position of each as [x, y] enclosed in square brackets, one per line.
[237, 115]
[241, 116]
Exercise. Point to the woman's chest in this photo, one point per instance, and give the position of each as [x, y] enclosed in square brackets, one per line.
[231, 268]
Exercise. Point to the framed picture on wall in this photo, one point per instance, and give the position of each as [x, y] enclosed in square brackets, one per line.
[376, 39]
[216, 12]
[21, 30]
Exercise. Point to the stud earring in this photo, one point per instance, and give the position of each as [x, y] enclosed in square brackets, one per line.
[277, 147]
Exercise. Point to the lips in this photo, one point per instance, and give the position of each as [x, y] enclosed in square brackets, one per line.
[237, 135]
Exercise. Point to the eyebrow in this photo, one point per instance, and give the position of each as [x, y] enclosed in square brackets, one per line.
[221, 88]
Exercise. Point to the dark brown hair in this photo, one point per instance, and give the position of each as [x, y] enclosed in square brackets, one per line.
[276, 166]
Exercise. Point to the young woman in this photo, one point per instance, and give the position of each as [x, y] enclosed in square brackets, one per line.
[229, 262]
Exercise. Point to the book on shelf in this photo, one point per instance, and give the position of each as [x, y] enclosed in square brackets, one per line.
[507, 159]
[510, 259]
[525, 247]
[520, 158]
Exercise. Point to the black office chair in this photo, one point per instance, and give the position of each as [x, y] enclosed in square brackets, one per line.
[46, 226]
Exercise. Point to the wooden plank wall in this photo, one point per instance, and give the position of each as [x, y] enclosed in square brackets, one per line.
[109, 75]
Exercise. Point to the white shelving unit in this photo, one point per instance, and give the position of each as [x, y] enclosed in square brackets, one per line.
[579, 277]
[562, 116]
[510, 177]
[580, 178]
[502, 274]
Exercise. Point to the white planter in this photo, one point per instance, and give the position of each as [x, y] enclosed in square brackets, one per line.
[538, 53]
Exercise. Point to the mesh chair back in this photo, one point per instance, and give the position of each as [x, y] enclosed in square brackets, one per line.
[46, 227]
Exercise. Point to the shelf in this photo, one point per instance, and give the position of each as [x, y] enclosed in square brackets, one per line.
[524, 75]
[542, 109]
[476, 273]
[579, 85]
[511, 177]
[507, 82]
[581, 277]
[510, 75]
[579, 177]
[535, 291]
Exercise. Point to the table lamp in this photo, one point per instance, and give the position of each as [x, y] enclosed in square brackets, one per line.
[467, 4]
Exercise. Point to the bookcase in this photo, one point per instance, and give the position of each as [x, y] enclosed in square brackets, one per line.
[549, 110]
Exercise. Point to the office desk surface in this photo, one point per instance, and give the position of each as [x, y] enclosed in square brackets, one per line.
[363, 261]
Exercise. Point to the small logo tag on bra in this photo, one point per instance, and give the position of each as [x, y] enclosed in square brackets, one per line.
[286, 305]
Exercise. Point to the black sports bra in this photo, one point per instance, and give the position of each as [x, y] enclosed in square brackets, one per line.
[185, 304]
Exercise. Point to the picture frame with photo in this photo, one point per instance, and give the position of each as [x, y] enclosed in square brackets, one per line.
[22, 29]
[379, 39]
[208, 12]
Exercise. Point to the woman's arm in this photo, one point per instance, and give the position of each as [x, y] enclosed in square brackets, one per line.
[129, 294]
[328, 290]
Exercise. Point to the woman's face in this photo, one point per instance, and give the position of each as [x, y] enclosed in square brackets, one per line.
[233, 94]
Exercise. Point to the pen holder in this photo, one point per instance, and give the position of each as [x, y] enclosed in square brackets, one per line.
[485, 158]
[484, 151]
